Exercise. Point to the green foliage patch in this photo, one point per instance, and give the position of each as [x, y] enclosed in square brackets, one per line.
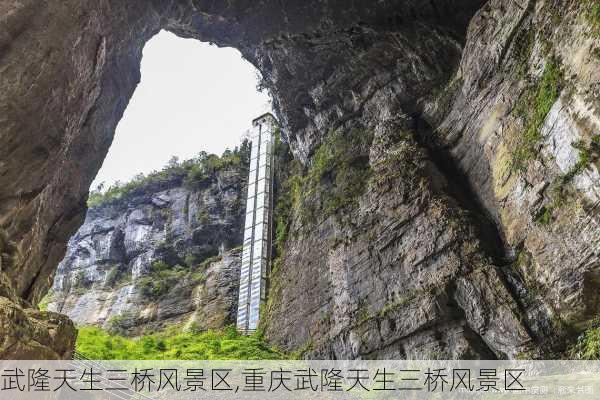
[161, 279]
[46, 300]
[587, 346]
[592, 15]
[114, 276]
[120, 324]
[194, 173]
[544, 217]
[173, 344]
[202, 216]
[588, 153]
[288, 196]
[336, 178]
[533, 106]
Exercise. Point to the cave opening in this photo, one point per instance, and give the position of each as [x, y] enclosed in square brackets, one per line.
[166, 209]
[193, 96]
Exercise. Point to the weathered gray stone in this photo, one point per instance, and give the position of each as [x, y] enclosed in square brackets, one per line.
[449, 215]
[120, 240]
[443, 216]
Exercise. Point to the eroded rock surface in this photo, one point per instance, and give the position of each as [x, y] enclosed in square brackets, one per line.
[477, 233]
[455, 244]
[167, 253]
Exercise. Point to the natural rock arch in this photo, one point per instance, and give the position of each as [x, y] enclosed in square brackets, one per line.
[69, 68]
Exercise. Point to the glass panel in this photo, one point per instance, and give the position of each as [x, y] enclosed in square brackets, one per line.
[251, 181]
[257, 264]
[258, 231]
[249, 219]
[257, 247]
[262, 172]
[260, 212]
[260, 202]
[251, 186]
[264, 250]
[260, 186]
[249, 205]
[263, 158]
[261, 216]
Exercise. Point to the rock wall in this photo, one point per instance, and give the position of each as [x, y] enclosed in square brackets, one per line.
[160, 255]
[462, 223]
[475, 234]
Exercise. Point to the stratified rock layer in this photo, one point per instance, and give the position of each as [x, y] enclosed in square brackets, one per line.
[457, 244]
[476, 235]
[165, 254]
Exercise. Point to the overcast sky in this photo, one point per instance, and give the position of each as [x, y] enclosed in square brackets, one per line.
[192, 97]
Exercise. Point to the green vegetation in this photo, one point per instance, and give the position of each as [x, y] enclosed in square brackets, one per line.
[592, 15]
[114, 276]
[544, 217]
[526, 355]
[588, 154]
[395, 304]
[120, 324]
[43, 304]
[342, 163]
[363, 312]
[302, 351]
[194, 173]
[161, 279]
[204, 166]
[172, 344]
[336, 178]
[288, 196]
[522, 53]
[286, 192]
[206, 262]
[588, 345]
[202, 216]
[533, 106]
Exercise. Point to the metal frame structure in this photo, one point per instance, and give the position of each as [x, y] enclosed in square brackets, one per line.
[256, 253]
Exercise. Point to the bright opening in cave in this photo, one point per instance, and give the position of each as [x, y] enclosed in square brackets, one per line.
[193, 96]
[134, 266]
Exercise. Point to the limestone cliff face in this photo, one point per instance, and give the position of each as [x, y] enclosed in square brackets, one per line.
[440, 198]
[161, 255]
[475, 234]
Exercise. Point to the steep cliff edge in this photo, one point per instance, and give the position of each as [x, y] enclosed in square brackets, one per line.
[159, 251]
[440, 198]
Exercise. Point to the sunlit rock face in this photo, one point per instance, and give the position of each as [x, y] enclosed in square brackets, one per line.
[186, 237]
[455, 246]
